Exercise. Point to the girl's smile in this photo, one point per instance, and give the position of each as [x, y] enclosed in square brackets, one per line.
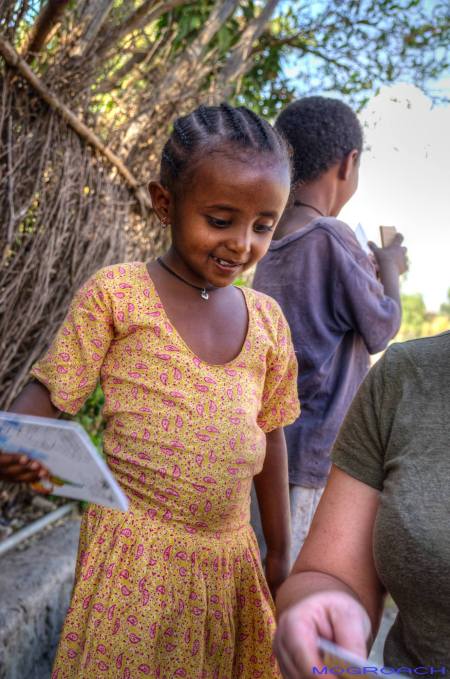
[227, 265]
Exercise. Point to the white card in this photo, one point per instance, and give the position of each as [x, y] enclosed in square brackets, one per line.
[77, 469]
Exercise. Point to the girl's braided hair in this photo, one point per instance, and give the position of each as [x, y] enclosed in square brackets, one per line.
[218, 127]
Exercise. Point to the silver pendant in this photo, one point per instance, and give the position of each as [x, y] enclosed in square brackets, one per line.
[204, 294]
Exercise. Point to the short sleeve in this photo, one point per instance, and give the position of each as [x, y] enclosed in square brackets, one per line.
[280, 405]
[71, 367]
[359, 447]
[359, 300]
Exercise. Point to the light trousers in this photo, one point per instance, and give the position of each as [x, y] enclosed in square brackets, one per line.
[303, 502]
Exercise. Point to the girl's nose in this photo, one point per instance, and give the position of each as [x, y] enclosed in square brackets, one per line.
[241, 242]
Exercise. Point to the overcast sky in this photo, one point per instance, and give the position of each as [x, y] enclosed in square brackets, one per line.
[405, 182]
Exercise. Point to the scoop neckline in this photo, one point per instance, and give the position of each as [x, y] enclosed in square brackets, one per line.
[181, 339]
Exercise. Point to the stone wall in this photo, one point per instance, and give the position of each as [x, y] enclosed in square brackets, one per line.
[35, 586]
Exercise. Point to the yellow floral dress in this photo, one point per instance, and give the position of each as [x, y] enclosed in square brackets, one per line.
[174, 587]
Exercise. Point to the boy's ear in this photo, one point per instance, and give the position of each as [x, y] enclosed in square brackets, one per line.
[348, 164]
[161, 201]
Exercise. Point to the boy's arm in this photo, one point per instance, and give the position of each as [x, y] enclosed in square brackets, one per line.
[34, 399]
[358, 301]
[392, 263]
[272, 490]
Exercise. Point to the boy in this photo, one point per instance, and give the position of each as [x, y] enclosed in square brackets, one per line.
[338, 311]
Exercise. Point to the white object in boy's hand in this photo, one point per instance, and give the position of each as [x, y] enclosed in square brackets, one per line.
[362, 239]
[76, 468]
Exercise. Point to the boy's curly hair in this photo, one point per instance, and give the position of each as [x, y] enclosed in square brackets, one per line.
[321, 131]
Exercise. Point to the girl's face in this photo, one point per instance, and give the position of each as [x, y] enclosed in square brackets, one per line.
[223, 221]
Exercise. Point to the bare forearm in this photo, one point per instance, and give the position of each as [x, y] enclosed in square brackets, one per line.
[272, 490]
[389, 278]
[301, 585]
[34, 399]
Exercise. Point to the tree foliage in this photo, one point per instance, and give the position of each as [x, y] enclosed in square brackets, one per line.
[445, 306]
[131, 65]
[418, 322]
[354, 46]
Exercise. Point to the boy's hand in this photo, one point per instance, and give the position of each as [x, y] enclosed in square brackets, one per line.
[395, 253]
[277, 568]
[21, 469]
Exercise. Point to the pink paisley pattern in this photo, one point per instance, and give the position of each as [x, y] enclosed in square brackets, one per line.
[174, 587]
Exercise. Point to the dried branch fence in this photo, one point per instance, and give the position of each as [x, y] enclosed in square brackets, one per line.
[67, 204]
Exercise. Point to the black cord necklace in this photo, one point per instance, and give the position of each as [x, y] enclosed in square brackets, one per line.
[299, 203]
[204, 292]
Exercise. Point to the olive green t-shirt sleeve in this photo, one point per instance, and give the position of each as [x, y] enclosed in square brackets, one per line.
[359, 447]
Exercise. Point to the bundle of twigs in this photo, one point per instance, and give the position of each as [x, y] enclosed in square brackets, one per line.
[63, 214]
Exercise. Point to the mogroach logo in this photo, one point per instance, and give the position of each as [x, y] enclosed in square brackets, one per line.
[384, 671]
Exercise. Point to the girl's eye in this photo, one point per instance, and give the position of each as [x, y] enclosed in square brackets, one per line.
[220, 223]
[263, 228]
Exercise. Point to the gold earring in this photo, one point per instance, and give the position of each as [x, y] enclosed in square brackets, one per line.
[164, 222]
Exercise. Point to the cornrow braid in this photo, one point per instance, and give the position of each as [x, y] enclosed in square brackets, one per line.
[218, 128]
[183, 135]
[259, 125]
[237, 123]
[206, 118]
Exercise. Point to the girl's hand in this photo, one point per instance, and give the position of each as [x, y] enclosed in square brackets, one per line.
[334, 615]
[21, 469]
[277, 567]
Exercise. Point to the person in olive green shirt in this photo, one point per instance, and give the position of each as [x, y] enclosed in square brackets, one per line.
[382, 524]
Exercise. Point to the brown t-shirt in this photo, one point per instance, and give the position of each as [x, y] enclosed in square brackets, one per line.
[396, 438]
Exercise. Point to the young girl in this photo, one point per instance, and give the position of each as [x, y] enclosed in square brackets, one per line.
[199, 378]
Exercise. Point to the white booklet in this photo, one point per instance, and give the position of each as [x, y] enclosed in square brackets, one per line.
[76, 468]
[362, 239]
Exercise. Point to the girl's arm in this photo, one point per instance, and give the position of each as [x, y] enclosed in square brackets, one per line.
[334, 591]
[34, 399]
[81, 343]
[272, 490]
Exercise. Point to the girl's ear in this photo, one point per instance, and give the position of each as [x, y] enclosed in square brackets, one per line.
[161, 201]
[349, 164]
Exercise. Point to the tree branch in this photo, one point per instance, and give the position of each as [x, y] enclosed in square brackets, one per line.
[140, 18]
[236, 64]
[317, 53]
[139, 57]
[93, 20]
[297, 41]
[45, 22]
[190, 58]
